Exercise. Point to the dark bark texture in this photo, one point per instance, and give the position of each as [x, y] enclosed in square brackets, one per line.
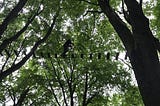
[141, 47]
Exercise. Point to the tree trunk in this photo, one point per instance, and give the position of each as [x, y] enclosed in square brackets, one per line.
[141, 48]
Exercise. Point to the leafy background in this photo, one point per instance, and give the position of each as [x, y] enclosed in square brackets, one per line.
[57, 81]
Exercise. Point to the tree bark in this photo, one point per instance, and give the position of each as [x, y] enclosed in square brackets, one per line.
[141, 48]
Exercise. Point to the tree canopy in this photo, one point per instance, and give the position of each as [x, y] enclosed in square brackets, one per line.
[95, 70]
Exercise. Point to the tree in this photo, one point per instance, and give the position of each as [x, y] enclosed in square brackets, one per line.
[140, 45]
[41, 29]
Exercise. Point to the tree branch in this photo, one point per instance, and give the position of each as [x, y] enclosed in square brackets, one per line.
[22, 97]
[52, 91]
[140, 3]
[6, 42]
[117, 23]
[18, 52]
[13, 14]
[89, 2]
[5, 63]
[138, 20]
[93, 12]
[60, 83]
[22, 62]
[55, 96]
[126, 14]
[84, 103]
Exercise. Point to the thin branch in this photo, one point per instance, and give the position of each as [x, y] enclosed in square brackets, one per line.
[11, 94]
[93, 12]
[22, 97]
[2, 4]
[126, 63]
[84, 103]
[54, 95]
[6, 61]
[17, 54]
[65, 73]
[71, 85]
[53, 92]
[60, 83]
[89, 2]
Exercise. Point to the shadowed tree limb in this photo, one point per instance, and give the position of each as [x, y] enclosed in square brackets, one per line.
[15, 67]
[140, 3]
[12, 15]
[84, 103]
[8, 41]
[53, 92]
[92, 12]
[60, 83]
[22, 97]
[117, 23]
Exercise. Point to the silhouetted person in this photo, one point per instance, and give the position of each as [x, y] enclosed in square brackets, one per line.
[68, 44]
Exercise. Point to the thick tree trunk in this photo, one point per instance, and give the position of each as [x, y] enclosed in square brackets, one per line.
[141, 48]
[147, 76]
[144, 57]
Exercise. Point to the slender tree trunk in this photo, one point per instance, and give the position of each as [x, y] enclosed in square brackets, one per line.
[22, 97]
[84, 103]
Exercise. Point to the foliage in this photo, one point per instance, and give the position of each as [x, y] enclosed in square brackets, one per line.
[58, 81]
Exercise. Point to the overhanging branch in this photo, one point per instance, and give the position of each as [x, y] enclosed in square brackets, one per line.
[117, 23]
[12, 15]
[92, 12]
[8, 41]
[22, 62]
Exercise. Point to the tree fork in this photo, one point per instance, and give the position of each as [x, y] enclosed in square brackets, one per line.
[142, 50]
